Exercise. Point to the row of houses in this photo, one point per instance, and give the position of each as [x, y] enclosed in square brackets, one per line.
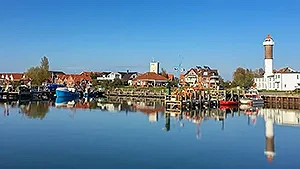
[199, 76]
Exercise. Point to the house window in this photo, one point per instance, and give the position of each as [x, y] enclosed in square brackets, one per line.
[277, 85]
[278, 76]
[205, 73]
[285, 86]
[297, 76]
[273, 85]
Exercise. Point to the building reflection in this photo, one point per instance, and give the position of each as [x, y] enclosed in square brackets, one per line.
[281, 117]
[155, 113]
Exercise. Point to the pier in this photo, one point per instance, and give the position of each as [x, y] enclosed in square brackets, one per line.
[190, 99]
[19, 96]
[134, 93]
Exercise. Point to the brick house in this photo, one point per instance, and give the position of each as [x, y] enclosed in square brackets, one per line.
[73, 79]
[201, 77]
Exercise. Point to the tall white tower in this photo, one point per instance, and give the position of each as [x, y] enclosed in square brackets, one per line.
[268, 44]
[154, 67]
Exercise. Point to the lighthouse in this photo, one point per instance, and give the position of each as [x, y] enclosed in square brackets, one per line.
[270, 150]
[268, 44]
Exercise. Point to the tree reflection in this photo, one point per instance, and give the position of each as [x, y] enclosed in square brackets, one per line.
[35, 110]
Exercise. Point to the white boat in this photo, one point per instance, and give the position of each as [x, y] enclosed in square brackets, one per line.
[252, 97]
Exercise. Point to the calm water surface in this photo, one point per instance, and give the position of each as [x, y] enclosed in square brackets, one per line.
[139, 135]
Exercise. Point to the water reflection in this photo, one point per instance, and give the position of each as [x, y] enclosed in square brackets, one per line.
[168, 121]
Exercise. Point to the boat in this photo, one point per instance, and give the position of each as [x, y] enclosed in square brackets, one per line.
[228, 102]
[67, 92]
[224, 107]
[252, 97]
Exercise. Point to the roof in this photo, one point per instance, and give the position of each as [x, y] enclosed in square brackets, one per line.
[56, 72]
[286, 70]
[15, 76]
[104, 73]
[131, 73]
[170, 77]
[151, 76]
[200, 71]
[75, 77]
[127, 75]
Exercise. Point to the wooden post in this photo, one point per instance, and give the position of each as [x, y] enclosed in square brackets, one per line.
[209, 99]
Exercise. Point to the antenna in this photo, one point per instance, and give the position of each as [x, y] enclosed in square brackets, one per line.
[179, 67]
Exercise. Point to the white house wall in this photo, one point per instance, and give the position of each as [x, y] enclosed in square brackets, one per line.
[280, 82]
[111, 76]
[289, 81]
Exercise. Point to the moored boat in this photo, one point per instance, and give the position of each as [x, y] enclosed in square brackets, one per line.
[252, 97]
[66, 92]
[228, 102]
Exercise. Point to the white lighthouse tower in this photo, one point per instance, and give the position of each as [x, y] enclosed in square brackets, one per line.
[268, 44]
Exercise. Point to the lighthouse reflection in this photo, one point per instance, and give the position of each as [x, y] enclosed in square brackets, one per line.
[196, 124]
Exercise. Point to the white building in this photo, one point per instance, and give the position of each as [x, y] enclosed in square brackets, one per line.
[109, 76]
[154, 67]
[285, 79]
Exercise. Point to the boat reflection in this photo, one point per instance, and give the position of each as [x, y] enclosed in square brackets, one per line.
[169, 120]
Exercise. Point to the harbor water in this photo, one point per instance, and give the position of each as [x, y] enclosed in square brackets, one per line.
[81, 135]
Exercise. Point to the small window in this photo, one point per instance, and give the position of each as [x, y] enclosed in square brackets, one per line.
[277, 85]
[278, 76]
[285, 86]
[297, 76]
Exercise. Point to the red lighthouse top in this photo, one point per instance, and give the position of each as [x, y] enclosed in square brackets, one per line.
[268, 37]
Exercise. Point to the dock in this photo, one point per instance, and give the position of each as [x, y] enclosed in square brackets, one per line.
[19, 96]
[138, 94]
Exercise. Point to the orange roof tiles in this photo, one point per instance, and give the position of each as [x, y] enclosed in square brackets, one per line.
[75, 77]
[16, 76]
[170, 77]
[150, 76]
[285, 70]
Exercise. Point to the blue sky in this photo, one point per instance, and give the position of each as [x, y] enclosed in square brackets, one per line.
[120, 35]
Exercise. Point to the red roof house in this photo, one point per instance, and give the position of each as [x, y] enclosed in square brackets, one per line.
[150, 79]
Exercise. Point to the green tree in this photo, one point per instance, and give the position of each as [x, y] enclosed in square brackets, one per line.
[164, 72]
[93, 75]
[175, 82]
[40, 73]
[258, 72]
[117, 83]
[243, 78]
